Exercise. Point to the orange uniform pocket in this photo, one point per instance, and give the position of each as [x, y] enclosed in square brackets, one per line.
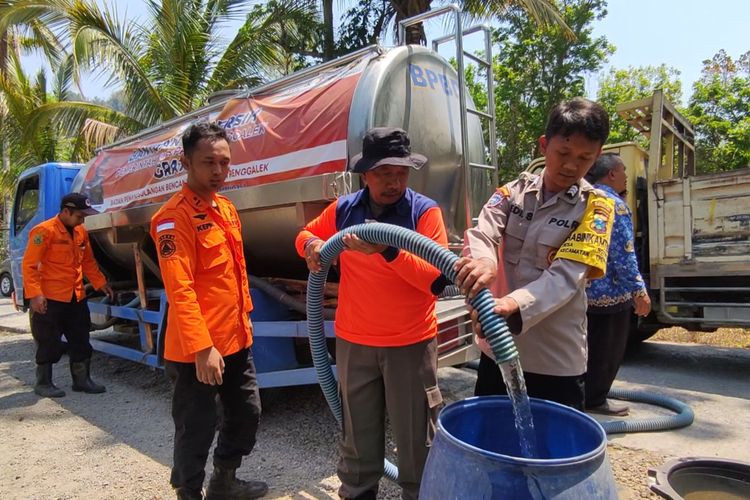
[213, 249]
[60, 254]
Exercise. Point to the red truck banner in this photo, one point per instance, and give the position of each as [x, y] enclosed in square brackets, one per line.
[297, 131]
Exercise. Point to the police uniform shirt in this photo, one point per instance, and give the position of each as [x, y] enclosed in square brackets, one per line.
[549, 249]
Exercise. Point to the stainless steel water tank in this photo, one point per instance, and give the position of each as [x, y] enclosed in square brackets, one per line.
[407, 86]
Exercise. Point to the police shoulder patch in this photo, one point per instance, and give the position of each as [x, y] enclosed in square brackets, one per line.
[621, 209]
[601, 213]
[499, 195]
[589, 242]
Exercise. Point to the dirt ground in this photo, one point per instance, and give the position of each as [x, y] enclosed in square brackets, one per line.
[118, 445]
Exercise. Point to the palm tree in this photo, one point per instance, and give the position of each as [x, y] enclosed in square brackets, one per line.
[167, 65]
[22, 95]
[544, 12]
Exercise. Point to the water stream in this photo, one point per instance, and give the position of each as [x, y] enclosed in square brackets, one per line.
[516, 386]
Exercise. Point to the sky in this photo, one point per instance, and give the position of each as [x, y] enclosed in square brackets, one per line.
[678, 33]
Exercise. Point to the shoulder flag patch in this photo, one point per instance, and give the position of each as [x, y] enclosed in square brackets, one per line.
[497, 198]
[164, 225]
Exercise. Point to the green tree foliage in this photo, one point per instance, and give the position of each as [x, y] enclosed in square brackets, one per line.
[720, 111]
[299, 42]
[167, 64]
[367, 20]
[116, 100]
[364, 24]
[535, 68]
[22, 95]
[623, 85]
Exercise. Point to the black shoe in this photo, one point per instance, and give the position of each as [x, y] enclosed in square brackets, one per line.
[81, 373]
[367, 495]
[224, 485]
[188, 494]
[44, 386]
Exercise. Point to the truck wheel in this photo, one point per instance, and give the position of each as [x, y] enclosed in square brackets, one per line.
[6, 285]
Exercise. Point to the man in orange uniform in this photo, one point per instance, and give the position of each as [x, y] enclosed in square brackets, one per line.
[57, 256]
[199, 241]
[386, 346]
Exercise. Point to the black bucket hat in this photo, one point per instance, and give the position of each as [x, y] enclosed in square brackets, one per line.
[385, 146]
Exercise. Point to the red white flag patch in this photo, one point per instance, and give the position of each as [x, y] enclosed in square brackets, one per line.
[164, 225]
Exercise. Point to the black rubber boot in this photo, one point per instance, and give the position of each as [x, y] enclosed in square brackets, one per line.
[188, 494]
[224, 485]
[44, 386]
[81, 373]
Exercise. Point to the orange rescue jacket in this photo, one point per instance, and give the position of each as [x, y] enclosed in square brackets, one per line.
[55, 262]
[383, 301]
[203, 268]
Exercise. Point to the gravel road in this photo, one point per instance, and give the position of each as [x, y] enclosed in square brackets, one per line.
[118, 445]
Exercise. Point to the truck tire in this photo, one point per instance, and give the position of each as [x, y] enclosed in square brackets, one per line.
[6, 285]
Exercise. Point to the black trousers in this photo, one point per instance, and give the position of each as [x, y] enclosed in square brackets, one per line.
[608, 340]
[564, 390]
[194, 411]
[62, 318]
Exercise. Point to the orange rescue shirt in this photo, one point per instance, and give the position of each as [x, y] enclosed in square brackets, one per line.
[203, 268]
[382, 303]
[55, 262]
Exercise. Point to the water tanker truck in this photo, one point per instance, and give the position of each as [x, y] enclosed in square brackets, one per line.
[291, 140]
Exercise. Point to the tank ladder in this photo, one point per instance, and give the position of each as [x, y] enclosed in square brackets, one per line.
[486, 117]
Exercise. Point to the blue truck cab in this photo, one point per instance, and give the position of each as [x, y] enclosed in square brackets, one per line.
[37, 197]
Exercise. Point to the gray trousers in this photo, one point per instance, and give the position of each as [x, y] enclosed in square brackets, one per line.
[373, 380]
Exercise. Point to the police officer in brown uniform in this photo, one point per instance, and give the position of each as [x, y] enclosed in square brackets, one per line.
[554, 229]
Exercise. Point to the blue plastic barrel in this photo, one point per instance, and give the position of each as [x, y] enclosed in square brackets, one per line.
[476, 455]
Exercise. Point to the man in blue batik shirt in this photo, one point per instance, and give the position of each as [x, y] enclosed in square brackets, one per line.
[611, 297]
